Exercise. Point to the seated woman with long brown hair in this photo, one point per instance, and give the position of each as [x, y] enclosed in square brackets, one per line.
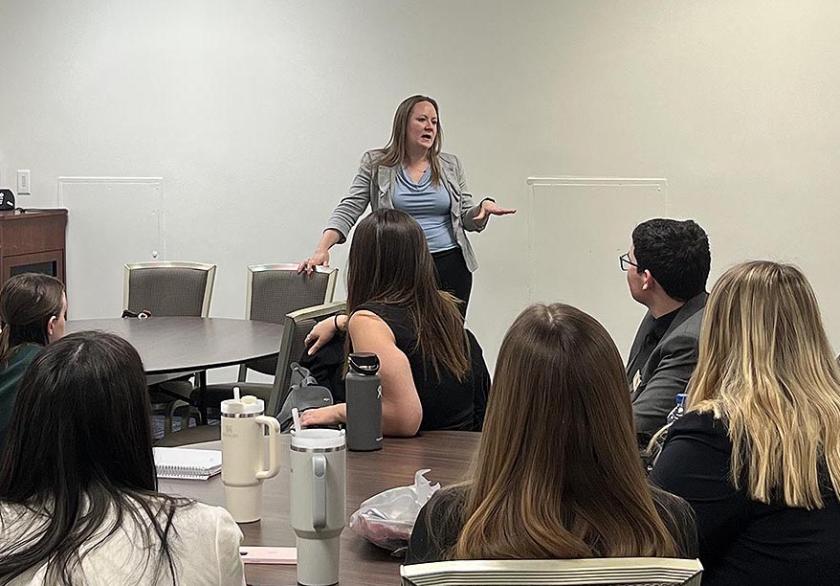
[432, 369]
[758, 452]
[557, 474]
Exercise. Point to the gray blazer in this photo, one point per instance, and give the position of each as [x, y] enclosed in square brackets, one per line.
[374, 184]
[669, 367]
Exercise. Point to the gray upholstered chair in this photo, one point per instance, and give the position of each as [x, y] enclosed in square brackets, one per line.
[276, 290]
[295, 327]
[601, 571]
[170, 289]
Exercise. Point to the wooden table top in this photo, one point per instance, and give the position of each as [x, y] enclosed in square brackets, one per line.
[177, 344]
[447, 453]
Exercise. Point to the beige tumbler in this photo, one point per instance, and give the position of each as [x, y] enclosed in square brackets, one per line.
[318, 503]
[243, 455]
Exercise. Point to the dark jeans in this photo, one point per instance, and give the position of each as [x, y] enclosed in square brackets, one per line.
[454, 276]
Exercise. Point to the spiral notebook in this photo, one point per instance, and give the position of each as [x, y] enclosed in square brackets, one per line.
[187, 463]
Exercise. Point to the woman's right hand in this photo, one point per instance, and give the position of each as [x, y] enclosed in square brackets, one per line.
[320, 334]
[319, 258]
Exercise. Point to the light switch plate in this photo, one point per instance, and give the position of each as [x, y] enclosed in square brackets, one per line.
[23, 182]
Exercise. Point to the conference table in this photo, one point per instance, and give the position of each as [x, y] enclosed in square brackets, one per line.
[446, 453]
[170, 345]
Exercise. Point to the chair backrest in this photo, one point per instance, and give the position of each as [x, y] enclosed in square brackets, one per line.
[277, 289]
[169, 288]
[295, 327]
[601, 571]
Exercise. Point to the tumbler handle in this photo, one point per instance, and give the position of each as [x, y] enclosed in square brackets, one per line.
[273, 460]
[319, 485]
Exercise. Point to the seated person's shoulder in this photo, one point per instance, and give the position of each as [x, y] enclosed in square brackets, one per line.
[699, 424]
[679, 519]
[206, 531]
[194, 521]
[204, 515]
[369, 323]
[361, 315]
[472, 340]
[437, 526]
[447, 501]
[691, 326]
[391, 320]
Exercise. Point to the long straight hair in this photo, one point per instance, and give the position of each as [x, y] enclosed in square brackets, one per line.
[396, 151]
[390, 263]
[766, 368]
[79, 448]
[557, 473]
[27, 302]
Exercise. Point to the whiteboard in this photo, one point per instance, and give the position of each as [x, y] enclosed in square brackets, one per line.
[111, 221]
[578, 227]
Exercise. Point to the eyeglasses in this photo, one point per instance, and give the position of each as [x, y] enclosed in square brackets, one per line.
[625, 263]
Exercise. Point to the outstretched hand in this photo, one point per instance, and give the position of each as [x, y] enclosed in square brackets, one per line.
[491, 208]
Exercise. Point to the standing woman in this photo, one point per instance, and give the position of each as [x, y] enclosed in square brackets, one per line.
[33, 309]
[413, 175]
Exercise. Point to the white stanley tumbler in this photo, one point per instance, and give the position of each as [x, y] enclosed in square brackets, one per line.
[243, 455]
[317, 503]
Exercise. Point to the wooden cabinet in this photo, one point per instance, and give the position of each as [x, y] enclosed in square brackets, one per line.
[32, 242]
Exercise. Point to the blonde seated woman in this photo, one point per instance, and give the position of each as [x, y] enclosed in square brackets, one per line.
[758, 452]
[557, 474]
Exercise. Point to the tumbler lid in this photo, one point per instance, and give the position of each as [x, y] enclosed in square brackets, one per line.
[247, 405]
[364, 362]
[317, 439]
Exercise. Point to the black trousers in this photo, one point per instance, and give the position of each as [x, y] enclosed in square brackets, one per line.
[453, 275]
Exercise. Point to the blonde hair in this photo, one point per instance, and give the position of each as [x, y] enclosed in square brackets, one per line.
[558, 473]
[766, 368]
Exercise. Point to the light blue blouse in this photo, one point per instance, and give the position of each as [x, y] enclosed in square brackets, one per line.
[430, 205]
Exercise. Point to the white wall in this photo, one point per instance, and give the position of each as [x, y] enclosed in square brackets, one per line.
[255, 114]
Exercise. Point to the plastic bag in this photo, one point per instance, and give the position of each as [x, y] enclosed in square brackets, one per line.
[386, 519]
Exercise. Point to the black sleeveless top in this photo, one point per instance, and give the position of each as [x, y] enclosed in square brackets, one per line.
[447, 403]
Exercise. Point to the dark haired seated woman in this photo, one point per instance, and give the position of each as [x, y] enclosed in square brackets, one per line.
[557, 474]
[33, 309]
[78, 488]
[432, 369]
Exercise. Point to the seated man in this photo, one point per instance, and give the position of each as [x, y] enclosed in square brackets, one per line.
[667, 267]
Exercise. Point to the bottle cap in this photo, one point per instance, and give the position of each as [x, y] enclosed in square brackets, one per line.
[364, 362]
